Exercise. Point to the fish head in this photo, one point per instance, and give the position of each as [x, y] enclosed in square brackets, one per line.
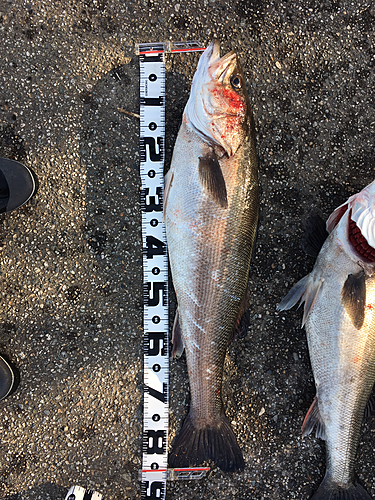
[355, 220]
[218, 108]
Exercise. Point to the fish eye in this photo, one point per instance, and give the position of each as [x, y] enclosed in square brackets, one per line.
[236, 82]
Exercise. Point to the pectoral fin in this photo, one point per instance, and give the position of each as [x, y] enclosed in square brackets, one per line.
[353, 296]
[212, 179]
[306, 290]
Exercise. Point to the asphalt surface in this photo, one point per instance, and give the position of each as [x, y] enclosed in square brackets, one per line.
[70, 260]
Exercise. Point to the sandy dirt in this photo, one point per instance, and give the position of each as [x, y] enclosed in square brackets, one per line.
[71, 259]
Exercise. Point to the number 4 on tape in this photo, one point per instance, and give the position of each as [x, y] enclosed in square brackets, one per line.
[79, 493]
[155, 472]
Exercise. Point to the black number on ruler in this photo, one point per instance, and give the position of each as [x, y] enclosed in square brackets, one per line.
[160, 396]
[152, 101]
[155, 343]
[154, 247]
[152, 206]
[154, 442]
[155, 491]
[150, 142]
[87, 496]
[157, 287]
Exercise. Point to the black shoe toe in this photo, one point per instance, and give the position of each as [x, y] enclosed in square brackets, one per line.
[6, 378]
[17, 185]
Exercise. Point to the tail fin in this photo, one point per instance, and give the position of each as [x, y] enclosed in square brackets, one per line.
[193, 446]
[330, 491]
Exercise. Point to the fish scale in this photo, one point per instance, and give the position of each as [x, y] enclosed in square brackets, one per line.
[211, 213]
[219, 303]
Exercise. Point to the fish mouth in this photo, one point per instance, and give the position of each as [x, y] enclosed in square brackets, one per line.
[209, 57]
[211, 64]
[212, 53]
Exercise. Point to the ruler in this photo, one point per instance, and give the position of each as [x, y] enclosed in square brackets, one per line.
[155, 275]
[155, 472]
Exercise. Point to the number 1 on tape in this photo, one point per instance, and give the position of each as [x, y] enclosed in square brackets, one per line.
[155, 472]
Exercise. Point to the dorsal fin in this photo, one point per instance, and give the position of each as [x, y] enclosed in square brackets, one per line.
[314, 235]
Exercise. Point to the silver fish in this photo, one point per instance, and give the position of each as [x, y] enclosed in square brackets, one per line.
[339, 317]
[211, 214]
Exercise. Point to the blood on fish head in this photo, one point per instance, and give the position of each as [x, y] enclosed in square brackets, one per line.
[358, 217]
[218, 108]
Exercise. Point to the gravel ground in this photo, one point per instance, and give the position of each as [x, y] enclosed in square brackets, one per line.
[70, 260]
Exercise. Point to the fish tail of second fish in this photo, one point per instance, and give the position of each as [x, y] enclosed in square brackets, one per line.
[217, 442]
[331, 491]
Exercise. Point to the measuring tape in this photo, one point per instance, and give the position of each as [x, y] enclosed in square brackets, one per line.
[155, 472]
[155, 274]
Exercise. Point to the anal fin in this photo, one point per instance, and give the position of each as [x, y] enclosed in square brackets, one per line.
[313, 419]
[370, 406]
[168, 179]
[178, 344]
[243, 319]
